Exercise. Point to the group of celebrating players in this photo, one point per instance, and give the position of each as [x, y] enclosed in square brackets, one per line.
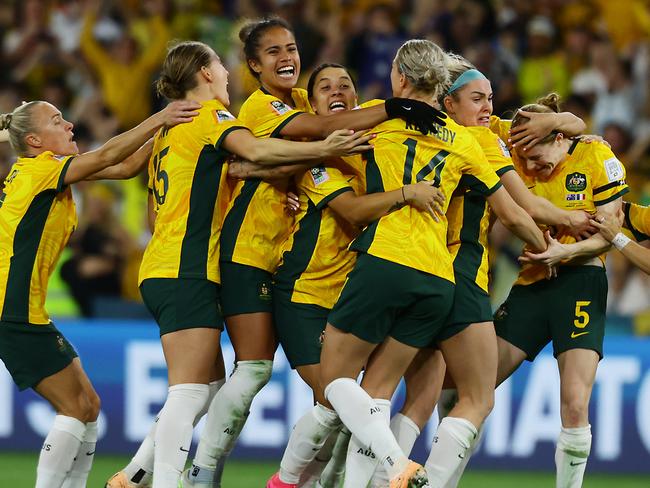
[355, 235]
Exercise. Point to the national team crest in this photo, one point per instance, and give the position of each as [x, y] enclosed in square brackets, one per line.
[576, 182]
[264, 290]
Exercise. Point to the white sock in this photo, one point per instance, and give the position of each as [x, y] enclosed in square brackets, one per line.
[174, 432]
[450, 446]
[315, 468]
[361, 461]
[363, 417]
[307, 438]
[571, 454]
[406, 433]
[58, 452]
[83, 462]
[228, 412]
[140, 468]
[335, 469]
[455, 478]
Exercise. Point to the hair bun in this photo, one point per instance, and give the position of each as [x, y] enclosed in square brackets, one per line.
[5, 121]
[552, 101]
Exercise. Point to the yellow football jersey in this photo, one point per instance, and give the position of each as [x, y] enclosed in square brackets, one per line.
[187, 176]
[402, 156]
[637, 220]
[315, 258]
[37, 216]
[468, 215]
[256, 224]
[590, 176]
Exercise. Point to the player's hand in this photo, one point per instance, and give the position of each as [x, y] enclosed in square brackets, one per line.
[609, 226]
[555, 253]
[292, 206]
[345, 141]
[418, 115]
[589, 138]
[581, 225]
[426, 197]
[179, 112]
[536, 128]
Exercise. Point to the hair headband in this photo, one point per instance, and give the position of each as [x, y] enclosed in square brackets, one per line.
[465, 78]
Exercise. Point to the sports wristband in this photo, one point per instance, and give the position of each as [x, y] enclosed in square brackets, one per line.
[620, 241]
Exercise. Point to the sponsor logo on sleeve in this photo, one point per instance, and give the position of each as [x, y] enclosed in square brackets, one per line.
[279, 107]
[319, 175]
[576, 182]
[613, 169]
[224, 115]
[503, 147]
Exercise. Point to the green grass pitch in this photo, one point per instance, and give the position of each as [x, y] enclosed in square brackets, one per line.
[18, 470]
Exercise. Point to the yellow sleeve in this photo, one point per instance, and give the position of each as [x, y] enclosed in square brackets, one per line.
[322, 184]
[637, 220]
[500, 127]
[266, 115]
[48, 172]
[224, 124]
[607, 175]
[477, 169]
[91, 49]
[495, 150]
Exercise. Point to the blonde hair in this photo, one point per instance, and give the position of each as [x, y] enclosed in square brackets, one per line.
[424, 65]
[178, 74]
[19, 123]
[547, 104]
[456, 66]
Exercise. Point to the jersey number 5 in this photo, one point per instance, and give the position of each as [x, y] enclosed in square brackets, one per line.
[582, 316]
[436, 165]
[161, 180]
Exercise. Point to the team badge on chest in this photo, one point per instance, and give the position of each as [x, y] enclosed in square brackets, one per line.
[576, 182]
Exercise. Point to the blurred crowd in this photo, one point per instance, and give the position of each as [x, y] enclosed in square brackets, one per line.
[96, 61]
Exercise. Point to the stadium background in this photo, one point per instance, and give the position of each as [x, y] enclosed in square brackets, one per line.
[96, 60]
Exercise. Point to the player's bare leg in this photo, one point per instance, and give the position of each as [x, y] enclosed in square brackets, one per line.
[577, 374]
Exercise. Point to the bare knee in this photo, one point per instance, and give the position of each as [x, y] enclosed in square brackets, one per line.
[574, 412]
[418, 407]
[84, 406]
[480, 404]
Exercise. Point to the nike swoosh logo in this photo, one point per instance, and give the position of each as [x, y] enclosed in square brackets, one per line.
[574, 335]
[90, 453]
[577, 464]
[461, 456]
[406, 108]
[185, 450]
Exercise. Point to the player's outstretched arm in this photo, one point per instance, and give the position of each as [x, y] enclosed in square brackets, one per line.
[544, 212]
[418, 114]
[591, 247]
[540, 125]
[123, 145]
[128, 168]
[361, 210]
[274, 151]
[610, 229]
[516, 219]
[242, 170]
